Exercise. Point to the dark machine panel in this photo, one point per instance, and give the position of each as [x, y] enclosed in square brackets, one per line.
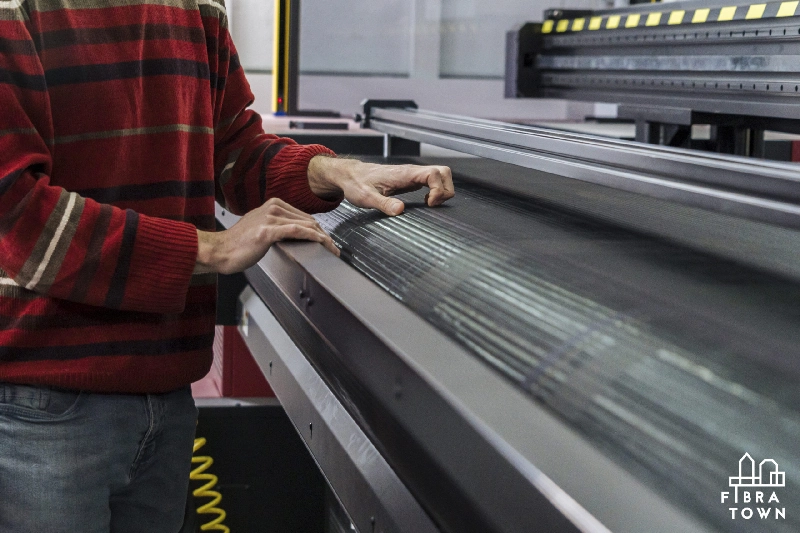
[716, 57]
[734, 65]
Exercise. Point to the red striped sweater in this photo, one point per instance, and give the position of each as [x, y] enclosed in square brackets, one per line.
[121, 121]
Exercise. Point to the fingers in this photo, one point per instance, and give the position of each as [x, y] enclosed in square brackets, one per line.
[288, 222]
[440, 181]
[293, 229]
[400, 179]
[279, 208]
[389, 206]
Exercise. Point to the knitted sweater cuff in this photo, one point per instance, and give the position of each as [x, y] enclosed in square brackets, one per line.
[288, 173]
[162, 262]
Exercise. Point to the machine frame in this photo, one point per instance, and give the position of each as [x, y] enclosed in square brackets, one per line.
[734, 65]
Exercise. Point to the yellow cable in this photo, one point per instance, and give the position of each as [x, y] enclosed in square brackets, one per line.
[205, 491]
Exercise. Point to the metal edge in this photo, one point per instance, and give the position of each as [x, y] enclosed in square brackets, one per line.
[374, 497]
[202, 403]
[731, 235]
[779, 169]
[704, 103]
[715, 200]
[712, 170]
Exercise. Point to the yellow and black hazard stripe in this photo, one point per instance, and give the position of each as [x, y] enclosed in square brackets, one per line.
[674, 17]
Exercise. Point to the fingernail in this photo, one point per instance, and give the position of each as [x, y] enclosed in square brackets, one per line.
[397, 207]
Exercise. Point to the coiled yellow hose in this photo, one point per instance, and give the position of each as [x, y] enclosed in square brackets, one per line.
[206, 490]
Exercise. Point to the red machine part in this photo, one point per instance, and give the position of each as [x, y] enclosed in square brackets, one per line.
[234, 372]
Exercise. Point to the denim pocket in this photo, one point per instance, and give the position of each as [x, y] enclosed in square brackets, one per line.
[29, 402]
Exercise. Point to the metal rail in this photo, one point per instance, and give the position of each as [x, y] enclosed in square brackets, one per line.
[703, 173]
[753, 205]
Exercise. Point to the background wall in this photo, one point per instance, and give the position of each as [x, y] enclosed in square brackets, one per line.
[448, 55]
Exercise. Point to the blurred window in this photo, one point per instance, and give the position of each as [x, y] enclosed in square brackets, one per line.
[355, 37]
[473, 32]
[376, 37]
[251, 23]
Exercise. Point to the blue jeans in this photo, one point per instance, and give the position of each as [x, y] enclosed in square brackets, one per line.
[94, 463]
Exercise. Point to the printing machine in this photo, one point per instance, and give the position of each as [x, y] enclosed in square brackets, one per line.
[588, 337]
[733, 64]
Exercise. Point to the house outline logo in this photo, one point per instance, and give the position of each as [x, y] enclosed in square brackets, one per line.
[761, 504]
[776, 477]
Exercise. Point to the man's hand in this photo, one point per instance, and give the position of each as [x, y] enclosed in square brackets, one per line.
[370, 185]
[363, 184]
[243, 245]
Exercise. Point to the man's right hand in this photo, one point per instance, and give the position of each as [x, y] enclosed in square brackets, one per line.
[243, 245]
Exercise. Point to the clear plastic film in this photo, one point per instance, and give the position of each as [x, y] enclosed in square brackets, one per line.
[673, 362]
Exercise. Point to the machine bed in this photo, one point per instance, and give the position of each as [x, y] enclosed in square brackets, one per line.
[653, 352]
[583, 339]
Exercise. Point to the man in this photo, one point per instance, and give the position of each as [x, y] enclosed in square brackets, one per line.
[121, 121]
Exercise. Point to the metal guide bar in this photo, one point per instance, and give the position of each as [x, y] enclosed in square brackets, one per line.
[728, 34]
[685, 85]
[705, 63]
[776, 213]
[368, 488]
[721, 95]
[529, 137]
[751, 105]
[758, 191]
[673, 17]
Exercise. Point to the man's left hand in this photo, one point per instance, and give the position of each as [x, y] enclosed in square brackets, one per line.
[370, 185]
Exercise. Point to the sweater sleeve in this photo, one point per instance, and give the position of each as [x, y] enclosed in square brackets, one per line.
[57, 243]
[250, 165]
